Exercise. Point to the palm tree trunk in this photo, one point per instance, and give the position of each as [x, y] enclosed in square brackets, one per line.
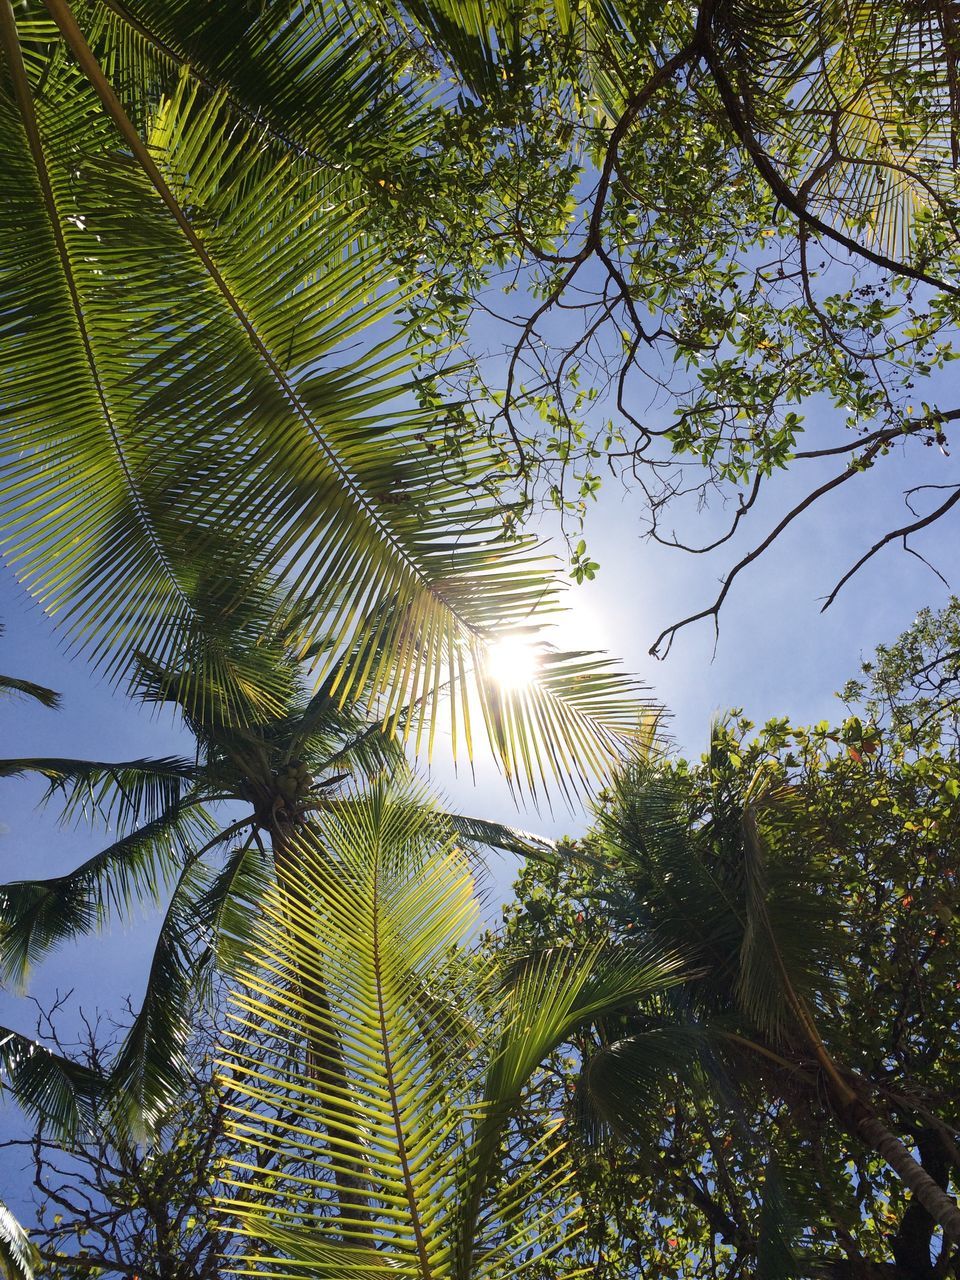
[941, 1207]
[862, 1122]
[859, 1119]
[325, 1060]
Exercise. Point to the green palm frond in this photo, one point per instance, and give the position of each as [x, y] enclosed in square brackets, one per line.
[395, 1168]
[226, 912]
[792, 938]
[18, 1257]
[366, 911]
[11, 685]
[38, 915]
[53, 1089]
[489, 43]
[621, 1082]
[480, 38]
[777, 1227]
[148, 1073]
[122, 793]
[759, 938]
[293, 70]
[496, 835]
[672, 891]
[184, 358]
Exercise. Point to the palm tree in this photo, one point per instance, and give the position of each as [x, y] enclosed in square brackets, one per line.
[437, 1049]
[765, 947]
[258, 779]
[185, 370]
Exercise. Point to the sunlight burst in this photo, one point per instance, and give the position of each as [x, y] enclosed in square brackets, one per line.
[513, 661]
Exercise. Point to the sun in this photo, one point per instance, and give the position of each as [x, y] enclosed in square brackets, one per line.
[513, 661]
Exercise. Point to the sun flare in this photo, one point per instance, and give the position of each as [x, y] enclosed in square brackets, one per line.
[513, 661]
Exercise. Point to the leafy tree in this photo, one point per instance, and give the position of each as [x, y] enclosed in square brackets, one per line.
[752, 208]
[913, 685]
[808, 876]
[437, 1049]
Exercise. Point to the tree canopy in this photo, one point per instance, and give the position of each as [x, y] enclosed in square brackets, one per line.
[808, 877]
[718, 242]
[305, 308]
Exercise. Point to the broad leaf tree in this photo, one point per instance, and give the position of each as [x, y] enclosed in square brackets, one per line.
[809, 1122]
[730, 236]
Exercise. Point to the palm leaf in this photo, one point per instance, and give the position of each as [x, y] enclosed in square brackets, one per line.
[621, 1083]
[18, 1257]
[53, 1089]
[10, 685]
[791, 938]
[775, 1256]
[292, 70]
[40, 693]
[495, 835]
[37, 915]
[227, 911]
[374, 910]
[148, 1073]
[123, 793]
[366, 928]
[223, 408]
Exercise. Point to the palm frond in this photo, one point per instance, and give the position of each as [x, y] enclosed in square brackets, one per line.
[553, 992]
[122, 793]
[11, 685]
[18, 1257]
[298, 72]
[50, 1087]
[38, 915]
[147, 1075]
[226, 912]
[620, 1082]
[673, 891]
[480, 38]
[373, 910]
[775, 1255]
[495, 835]
[363, 912]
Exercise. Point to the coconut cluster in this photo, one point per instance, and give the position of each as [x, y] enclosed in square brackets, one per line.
[294, 780]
